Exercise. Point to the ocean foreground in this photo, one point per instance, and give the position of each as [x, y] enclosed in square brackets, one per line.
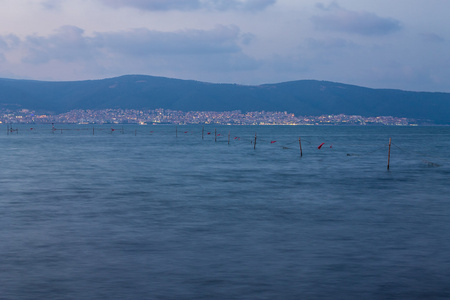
[157, 212]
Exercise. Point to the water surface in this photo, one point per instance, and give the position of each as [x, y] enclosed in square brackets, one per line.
[146, 214]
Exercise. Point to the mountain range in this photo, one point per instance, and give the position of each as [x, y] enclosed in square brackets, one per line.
[303, 97]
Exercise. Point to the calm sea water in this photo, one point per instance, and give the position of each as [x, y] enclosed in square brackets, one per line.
[147, 215]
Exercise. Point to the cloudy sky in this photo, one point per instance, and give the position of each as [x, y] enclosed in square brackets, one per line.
[402, 44]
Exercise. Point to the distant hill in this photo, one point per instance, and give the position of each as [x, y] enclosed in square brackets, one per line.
[304, 97]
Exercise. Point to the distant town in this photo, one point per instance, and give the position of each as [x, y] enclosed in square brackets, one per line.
[166, 116]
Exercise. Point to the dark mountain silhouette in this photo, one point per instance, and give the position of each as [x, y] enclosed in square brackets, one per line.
[304, 97]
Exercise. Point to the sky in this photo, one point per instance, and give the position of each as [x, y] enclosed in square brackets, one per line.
[399, 44]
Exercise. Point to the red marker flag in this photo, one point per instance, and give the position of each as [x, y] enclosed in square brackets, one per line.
[320, 146]
[273, 142]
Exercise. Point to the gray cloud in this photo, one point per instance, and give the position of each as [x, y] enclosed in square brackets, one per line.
[163, 5]
[155, 4]
[9, 41]
[329, 44]
[214, 54]
[245, 5]
[258, 4]
[336, 18]
[52, 4]
[69, 44]
[3, 44]
[432, 38]
[142, 42]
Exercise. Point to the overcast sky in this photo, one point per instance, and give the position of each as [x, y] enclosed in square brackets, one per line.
[401, 44]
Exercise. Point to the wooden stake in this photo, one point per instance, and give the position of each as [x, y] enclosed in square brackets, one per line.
[215, 135]
[203, 131]
[254, 144]
[7, 129]
[389, 153]
[229, 132]
[93, 132]
[176, 131]
[300, 143]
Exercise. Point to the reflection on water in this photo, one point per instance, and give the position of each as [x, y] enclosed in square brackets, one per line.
[147, 215]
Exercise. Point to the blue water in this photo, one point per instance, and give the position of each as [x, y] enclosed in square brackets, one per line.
[144, 214]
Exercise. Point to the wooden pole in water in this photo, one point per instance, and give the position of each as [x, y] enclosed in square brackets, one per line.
[135, 132]
[229, 132]
[7, 129]
[300, 143]
[176, 131]
[215, 135]
[389, 153]
[93, 132]
[254, 144]
[203, 131]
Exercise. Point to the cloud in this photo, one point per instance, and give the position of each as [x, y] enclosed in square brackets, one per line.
[67, 52]
[258, 4]
[9, 41]
[329, 44]
[245, 5]
[3, 44]
[432, 38]
[155, 4]
[165, 5]
[52, 4]
[336, 18]
[143, 42]
[67, 44]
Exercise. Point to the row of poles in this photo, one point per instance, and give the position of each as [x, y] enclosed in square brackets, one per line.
[299, 142]
[11, 130]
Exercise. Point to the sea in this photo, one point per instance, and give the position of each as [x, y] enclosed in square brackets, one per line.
[202, 212]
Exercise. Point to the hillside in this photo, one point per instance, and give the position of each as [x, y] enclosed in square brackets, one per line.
[305, 97]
